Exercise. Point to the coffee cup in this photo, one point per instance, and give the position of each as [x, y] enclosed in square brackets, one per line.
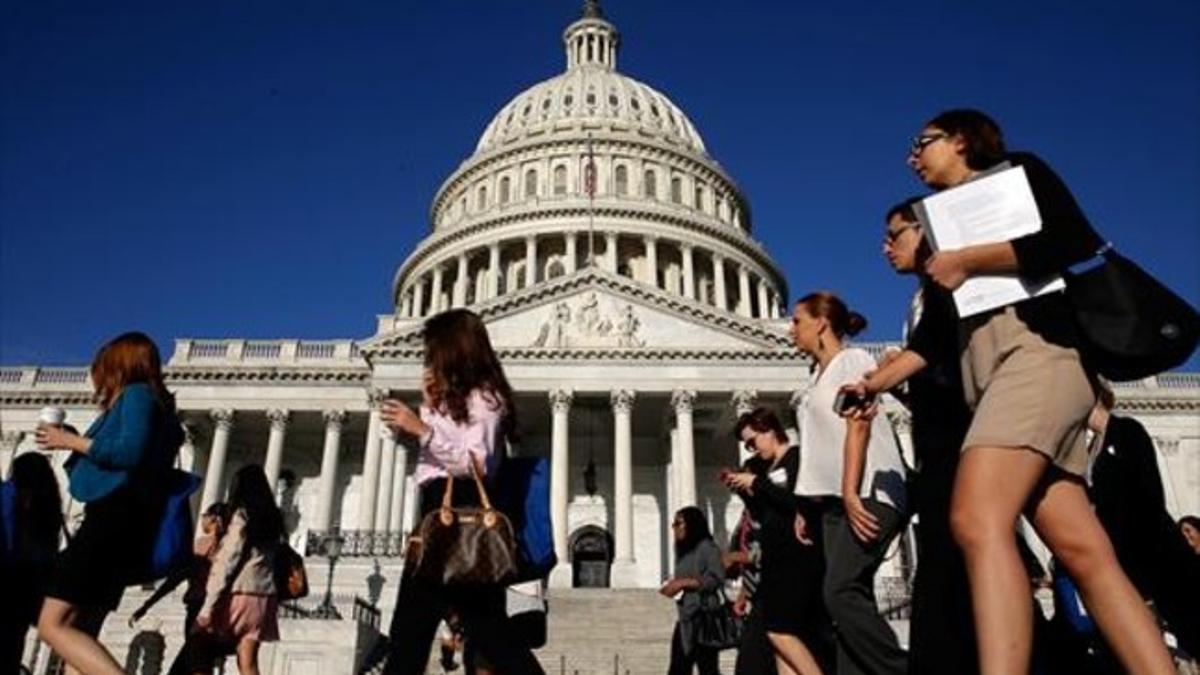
[52, 416]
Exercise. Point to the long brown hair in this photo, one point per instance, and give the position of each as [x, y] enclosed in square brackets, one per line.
[460, 358]
[826, 305]
[124, 360]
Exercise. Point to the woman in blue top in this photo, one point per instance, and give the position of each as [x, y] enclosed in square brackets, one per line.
[113, 470]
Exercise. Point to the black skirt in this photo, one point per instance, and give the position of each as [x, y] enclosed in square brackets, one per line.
[115, 538]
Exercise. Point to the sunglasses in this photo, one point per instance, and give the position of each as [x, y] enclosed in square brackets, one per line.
[892, 235]
[922, 141]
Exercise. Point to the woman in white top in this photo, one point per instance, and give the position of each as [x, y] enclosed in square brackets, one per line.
[853, 467]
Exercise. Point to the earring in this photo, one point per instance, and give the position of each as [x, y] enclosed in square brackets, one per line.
[820, 343]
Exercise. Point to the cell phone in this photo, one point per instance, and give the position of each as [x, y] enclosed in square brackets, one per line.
[845, 401]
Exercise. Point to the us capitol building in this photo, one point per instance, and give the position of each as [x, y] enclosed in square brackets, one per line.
[635, 315]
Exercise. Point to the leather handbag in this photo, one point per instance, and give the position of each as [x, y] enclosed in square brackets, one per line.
[716, 626]
[1131, 325]
[291, 579]
[465, 546]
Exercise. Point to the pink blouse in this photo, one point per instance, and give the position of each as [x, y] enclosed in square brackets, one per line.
[447, 449]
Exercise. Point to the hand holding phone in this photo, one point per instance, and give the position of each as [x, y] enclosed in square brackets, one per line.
[849, 399]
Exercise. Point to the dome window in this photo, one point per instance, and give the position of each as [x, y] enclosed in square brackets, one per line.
[621, 178]
[481, 202]
[530, 183]
[591, 98]
[654, 110]
[676, 190]
[612, 100]
[504, 189]
[560, 180]
[568, 100]
[546, 104]
[650, 184]
[633, 103]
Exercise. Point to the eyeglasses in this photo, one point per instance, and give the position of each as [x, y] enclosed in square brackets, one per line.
[922, 141]
[890, 236]
[749, 443]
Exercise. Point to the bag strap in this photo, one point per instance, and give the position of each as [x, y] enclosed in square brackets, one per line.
[483, 495]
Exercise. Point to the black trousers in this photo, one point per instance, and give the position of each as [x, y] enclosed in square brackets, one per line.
[683, 662]
[866, 644]
[942, 630]
[420, 605]
[755, 656]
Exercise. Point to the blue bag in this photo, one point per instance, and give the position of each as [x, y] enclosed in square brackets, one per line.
[173, 539]
[524, 490]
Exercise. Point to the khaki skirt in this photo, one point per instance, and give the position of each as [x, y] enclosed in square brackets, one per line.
[1026, 392]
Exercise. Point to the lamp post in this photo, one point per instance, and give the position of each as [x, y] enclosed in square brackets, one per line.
[331, 548]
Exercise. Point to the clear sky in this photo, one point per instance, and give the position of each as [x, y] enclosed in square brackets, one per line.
[232, 169]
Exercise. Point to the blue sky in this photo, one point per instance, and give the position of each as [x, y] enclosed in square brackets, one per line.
[227, 169]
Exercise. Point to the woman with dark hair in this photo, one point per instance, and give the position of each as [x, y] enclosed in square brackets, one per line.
[853, 468]
[1031, 394]
[1189, 529]
[789, 593]
[466, 416]
[698, 572]
[240, 604]
[29, 552]
[115, 469]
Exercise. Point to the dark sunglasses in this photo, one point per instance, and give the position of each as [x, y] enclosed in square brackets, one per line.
[922, 141]
[892, 235]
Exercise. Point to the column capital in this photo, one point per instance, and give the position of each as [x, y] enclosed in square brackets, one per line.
[744, 400]
[222, 417]
[279, 418]
[560, 400]
[650, 237]
[530, 238]
[622, 400]
[683, 400]
[334, 419]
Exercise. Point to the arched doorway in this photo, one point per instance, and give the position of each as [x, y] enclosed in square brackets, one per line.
[591, 557]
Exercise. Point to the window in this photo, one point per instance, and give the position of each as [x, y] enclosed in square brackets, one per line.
[621, 178]
[481, 202]
[504, 190]
[649, 185]
[698, 202]
[560, 180]
[530, 183]
[676, 190]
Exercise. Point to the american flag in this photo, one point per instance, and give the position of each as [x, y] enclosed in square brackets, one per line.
[589, 173]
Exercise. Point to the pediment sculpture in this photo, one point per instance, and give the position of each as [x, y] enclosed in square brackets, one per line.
[589, 325]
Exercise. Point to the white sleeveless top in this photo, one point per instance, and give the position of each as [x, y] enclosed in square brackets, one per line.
[823, 439]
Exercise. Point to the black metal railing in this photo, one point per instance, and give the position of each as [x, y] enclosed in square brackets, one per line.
[366, 613]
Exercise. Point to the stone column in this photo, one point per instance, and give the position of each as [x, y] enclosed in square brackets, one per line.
[186, 460]
[334, 419]
[764, 310]
[278, 420]
[493, 272]
[774, 312]
[719, 282]
[460, 283]
[744, 400]
[387, 465]
[650, 273]
[683, 400]
[370, 474]
[743, 306]
[571, 253]
[531, 275]
[622, 405]
[406, 302]
[689, 272]
[560, 434]
[435, 293]
[223, 420]
[418, 303]
[399, 486]
[610, 252]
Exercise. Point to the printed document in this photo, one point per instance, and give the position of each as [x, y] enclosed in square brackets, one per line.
[998, 207]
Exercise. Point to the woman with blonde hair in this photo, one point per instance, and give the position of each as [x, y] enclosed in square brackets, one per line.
[115, 470]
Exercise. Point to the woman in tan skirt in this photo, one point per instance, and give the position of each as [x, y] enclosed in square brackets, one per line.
[1031, 394]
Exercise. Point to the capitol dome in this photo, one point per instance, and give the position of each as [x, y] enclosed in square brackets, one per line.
[590, 170]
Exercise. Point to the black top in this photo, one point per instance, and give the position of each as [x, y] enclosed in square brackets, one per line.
[1066, 238]
[940, 416]
[773, 503]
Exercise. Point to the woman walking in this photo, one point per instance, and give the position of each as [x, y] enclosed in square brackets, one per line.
[467, 414]
[115, 470]
[1031, 394]
[853, 468]
[789, 592]
[698, 575]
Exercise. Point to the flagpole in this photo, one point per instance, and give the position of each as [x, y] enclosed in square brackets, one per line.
[589, 183]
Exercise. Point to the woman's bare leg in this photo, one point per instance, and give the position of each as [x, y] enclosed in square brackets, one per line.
[57, 627]
[791, 656]
[1064, 519]
[990, 490]
[247, 657]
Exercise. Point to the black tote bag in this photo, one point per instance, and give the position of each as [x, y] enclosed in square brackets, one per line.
[1131, 325]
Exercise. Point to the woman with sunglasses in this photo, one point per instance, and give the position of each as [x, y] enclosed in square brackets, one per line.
[788, 595]
[1031, 394]
[698, 574]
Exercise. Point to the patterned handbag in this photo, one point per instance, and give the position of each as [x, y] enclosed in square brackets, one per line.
[465, 546]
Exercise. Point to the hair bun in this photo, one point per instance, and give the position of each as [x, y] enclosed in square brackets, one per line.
[855, 324]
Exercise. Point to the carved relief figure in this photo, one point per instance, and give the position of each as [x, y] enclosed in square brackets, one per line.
[627, 328]
[553, 332]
